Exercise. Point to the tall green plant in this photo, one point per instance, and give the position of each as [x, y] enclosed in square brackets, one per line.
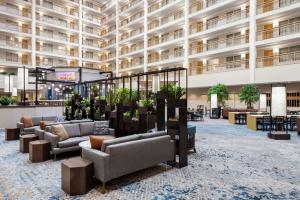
[123, 95]
[249, 94]
[111, 98]
[5, 101]
[145, 102]
[222, 91]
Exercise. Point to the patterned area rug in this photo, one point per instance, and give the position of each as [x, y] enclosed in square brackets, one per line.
[232, 162]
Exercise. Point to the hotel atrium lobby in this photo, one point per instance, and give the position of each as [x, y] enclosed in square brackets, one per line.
[150, 99]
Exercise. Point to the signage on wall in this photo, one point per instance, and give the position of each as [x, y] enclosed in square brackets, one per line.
[66, 76]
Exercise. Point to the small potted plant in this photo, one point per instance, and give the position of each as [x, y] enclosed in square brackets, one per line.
[249, 94]
[5, 101]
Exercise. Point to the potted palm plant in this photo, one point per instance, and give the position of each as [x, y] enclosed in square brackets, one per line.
[223, 94]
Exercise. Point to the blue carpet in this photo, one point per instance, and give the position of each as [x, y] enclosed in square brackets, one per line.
[232, 162]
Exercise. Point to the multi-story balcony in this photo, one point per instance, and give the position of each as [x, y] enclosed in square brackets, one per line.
[132, 34]
[92, 6]
[57, 22]
[55, 7]
[57, 36]
[218, 21]
[196, 68]
[50, 62]
[13, 59]
[267, 6]
[130, 5]
[57, 51]
[91, 30]
[278, 60]
[91, 44]
[91, 56]
[219, 44]
[109, 31]
[13, 26]
[131, 19]
[14, 10]
[132, 49]
[7, 41]
[92, 19]
[107, 57]
[159, 5]
[165, 38]
[283, 30]
[166, 55]
[136, 62]
[161, 21]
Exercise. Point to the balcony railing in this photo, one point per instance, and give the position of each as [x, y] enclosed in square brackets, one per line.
[165, 39]
[57, 51]
[91, 31]
[108, 31]
[4, 59]
[13, 11]
[89, 44]
[280, 31]
[221, 67]
[159, 5]
[93, 19]
[130, 5]
[219, 22]
[132, 64]
[16, 28]
[220, 44]
[165, 56]
[60, 9]
[164, 20]
[57, 22]
[91, 5]
[132, 34]
[132, 49]
[14, 44]
[277, 60]
[57, 37]
[91, 57]
[131, 19]
[274, 5]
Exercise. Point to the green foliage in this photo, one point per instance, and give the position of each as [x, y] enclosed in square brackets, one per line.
[173, 90]
[111, 98]
[100, 98]
[134, 95]
[42, 98]
[85, 102]
[249, 94]
[126, 114]
[95, 90]
[76, 95]
[123, 95]
[221, 90]
[5, 101]
[145, 102]
[14, 100]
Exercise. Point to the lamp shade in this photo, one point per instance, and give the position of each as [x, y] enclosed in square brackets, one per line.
[214, 101]
[8, 83]
[278, 101]
[263, 102]
[155, 83]
[21, 73]
[14, 92]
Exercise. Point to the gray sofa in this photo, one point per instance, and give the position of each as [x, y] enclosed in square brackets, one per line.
[40, 133]
[36, 124]
[128, 154]
[78, 132]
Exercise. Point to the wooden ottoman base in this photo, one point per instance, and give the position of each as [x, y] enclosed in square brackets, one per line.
[279, 136]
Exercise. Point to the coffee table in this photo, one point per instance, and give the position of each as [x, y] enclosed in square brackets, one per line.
[39, 151]
[12, 133]
[76, 176]
[24, 142]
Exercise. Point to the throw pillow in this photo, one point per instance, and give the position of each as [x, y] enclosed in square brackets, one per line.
[27, 121]
[60, 131]
[101, 127]
[96, 142]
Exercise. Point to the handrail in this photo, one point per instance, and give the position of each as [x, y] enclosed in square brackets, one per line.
[283, 30]
[280, 59]
[264, 7]
[221, 43]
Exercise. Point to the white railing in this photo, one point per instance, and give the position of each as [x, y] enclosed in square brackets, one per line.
[130, 5]
[53, 21]
[16, 28]
[164, 20]
[159, 5]
[274, 5]
[57, 51]
[219, 44]
[14, 44]
[277, 60]
[58, 8]
[165, 39]
[221, 67]
[220, 21]
[280, 31]
[57, 37]
[13, 11]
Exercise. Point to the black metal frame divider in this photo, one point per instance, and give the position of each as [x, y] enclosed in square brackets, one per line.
[177, 129]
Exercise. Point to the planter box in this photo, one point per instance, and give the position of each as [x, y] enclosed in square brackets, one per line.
[161, 95]
[177, 103]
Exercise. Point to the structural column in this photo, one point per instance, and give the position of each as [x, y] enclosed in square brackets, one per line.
[117, 38]
[145, 35]
[33, 34]
[252, 39]
[186, 34]
[80, 52]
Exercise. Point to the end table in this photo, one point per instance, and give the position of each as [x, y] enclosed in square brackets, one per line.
[12, 133]
[39, 151]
